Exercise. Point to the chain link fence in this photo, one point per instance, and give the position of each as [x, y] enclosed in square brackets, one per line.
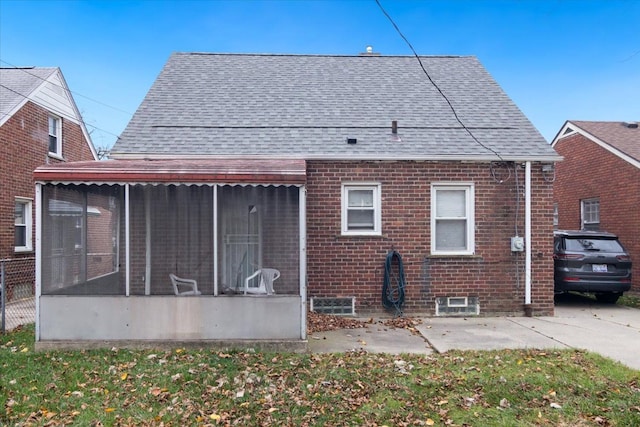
[17, 290]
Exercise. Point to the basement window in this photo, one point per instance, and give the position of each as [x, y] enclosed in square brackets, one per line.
[340, 306]
[457, 306]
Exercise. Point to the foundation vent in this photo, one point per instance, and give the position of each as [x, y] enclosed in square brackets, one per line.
[340, 306]
[457, 306]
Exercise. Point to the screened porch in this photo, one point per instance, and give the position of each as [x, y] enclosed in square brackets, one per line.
[108, 249]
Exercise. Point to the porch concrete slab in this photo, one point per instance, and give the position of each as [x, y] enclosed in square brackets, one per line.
[610, 330]
[483, 333]
[374, 338]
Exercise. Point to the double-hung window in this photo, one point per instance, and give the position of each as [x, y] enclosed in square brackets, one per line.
[361, 211]
[590, 209]
[22, 227]
[55, 136]
[452, 219]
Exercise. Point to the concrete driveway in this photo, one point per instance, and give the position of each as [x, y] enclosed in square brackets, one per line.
[610, 330]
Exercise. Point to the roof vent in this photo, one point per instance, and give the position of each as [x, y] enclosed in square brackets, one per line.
[352, 140]
[394, 131]
[631, 125]
[369, 52]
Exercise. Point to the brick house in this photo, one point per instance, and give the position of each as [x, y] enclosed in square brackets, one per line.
[597, 185]
[320, 167]
[39, 124]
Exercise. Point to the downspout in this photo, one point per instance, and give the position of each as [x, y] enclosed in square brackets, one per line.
[527, 239]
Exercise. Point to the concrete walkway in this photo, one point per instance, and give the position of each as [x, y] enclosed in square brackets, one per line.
[610, 330]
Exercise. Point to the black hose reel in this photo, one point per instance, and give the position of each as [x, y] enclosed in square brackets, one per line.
[394, 283]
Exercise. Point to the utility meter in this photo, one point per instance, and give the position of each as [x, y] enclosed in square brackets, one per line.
[517, 244]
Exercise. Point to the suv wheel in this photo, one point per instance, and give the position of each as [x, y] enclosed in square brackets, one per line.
[608, 298]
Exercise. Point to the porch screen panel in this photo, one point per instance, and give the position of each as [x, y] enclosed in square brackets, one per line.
[181, 240]
[103, 220]
[80, 240]
[258, 228]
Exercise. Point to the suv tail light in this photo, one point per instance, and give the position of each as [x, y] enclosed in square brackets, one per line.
[567, 256]
[623, 258]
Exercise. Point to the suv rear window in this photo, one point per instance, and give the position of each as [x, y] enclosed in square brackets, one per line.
[586, 244]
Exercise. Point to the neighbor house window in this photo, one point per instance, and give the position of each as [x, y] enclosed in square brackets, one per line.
[590, 209]
[55, 137]
[22, 221]
[452, 219]
[361, 209]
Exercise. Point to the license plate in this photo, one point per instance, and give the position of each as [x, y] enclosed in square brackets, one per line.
[599, 268]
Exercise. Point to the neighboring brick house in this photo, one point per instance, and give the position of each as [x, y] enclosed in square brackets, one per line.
[319, 166]
[39, 124]
[597, 185]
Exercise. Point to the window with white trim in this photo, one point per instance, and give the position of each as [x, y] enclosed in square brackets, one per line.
[23, 225]
[361, 209]
[590, 212]
[55, 136]
[452, 219]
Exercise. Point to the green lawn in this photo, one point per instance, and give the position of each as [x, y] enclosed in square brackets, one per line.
[209, 387]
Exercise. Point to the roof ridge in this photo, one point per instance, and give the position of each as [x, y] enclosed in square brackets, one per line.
[298, 55]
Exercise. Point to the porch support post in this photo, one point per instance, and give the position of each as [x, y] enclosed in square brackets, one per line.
[38, 203]
[127, 242]
[215, 239]
[303, 259]
[527, 233]
[147, 240]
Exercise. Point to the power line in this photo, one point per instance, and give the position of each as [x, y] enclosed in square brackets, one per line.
[455, 114]
[56, 112]
[66, 88]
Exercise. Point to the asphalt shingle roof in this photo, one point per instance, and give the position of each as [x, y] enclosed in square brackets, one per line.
[305, 106]
[617, 134]
[17, 84]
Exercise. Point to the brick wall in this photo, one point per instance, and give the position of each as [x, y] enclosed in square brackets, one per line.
[24, 142]
[354, 266]
[590, 171]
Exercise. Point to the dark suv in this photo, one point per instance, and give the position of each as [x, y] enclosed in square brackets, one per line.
[593, 262]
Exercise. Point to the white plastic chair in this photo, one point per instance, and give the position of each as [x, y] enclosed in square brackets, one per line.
[179, 282]
[265, 284]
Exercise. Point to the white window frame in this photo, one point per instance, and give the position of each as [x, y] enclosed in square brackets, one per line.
[28, 224]
[377, 208]
[587, 213]
[469, 216]
[58, 135]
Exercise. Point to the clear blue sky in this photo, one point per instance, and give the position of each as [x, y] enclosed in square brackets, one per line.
[557, 59]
